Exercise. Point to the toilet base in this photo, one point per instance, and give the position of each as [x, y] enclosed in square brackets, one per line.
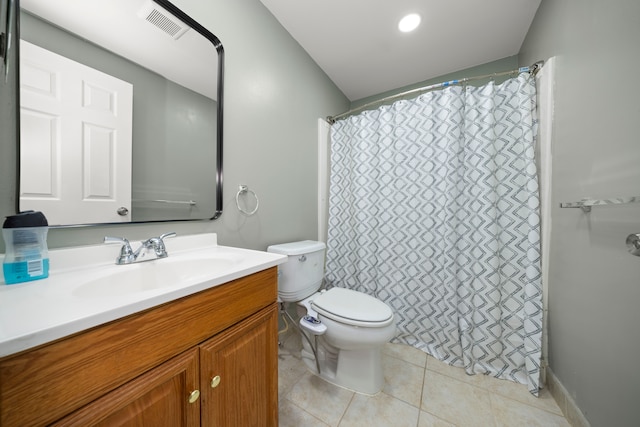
[356, 370]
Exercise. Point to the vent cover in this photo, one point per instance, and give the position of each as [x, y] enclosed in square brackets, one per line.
[163, 20]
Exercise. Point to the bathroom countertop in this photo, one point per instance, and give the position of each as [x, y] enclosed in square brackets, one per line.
[85, 288]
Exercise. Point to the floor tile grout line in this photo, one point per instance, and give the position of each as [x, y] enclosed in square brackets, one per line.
[493, 408]
[424, 410]
[346, 409]
[537, 408]
[291, 402]
[407, 361]
[480, 386]
[424, 381]
[292, 385]
[422, 384]
[492, 392]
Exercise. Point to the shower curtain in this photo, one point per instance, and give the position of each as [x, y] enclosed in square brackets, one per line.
[434, 209]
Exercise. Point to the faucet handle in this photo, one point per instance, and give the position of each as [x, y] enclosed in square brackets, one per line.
[126, 253]
[158, 244]
[126, 245]
[166, 235]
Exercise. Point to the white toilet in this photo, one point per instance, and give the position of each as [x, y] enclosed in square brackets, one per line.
[346, 329]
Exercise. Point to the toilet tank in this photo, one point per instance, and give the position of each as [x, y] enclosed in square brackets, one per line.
[302, 274]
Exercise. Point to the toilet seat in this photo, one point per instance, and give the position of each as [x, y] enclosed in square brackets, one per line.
[352, 308]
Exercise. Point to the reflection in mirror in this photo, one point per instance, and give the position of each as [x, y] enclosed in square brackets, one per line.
[120, 112]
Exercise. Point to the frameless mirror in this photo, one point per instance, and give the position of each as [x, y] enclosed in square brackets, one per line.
[120, 112]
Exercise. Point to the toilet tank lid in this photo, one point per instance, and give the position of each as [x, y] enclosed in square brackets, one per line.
[297, 248]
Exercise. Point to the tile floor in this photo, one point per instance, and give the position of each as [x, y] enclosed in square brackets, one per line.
[419, 391]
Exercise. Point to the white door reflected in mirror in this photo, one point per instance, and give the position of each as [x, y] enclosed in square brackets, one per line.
[76, 135]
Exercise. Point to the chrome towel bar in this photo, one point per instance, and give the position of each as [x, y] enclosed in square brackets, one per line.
[175, 202]
[586, 204]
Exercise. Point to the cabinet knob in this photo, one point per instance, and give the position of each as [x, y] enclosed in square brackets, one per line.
[215, 381]
[195, 394]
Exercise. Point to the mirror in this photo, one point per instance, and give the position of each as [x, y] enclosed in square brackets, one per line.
[120, 112]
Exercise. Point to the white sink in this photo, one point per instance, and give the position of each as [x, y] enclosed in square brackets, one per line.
[153, 275]
[85, 287]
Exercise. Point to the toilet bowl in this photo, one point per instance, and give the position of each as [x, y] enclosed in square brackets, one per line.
[344, 330]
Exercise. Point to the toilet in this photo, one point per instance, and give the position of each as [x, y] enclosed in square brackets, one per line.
[343, 330]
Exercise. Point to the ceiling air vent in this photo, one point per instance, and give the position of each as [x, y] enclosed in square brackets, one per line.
[163, 20]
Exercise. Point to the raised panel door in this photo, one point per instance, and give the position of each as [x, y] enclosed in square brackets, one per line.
[76, 127]
[239, 374]
[163, 396]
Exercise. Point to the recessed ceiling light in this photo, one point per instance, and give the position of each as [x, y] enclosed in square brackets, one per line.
[409, 23]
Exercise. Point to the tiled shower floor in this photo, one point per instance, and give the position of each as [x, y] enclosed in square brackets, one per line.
[419, 391]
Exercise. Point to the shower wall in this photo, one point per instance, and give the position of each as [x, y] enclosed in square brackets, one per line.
[594, 289]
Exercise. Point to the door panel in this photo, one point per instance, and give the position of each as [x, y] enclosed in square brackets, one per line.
[239, 374]
[158, 398]
[76, 139]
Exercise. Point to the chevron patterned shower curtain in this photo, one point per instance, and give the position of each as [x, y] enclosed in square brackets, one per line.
[434, 209]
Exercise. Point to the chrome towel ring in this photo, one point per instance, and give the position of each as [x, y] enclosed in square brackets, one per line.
[243, 189]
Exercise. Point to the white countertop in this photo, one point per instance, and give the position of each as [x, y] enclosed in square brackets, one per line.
[85, 287]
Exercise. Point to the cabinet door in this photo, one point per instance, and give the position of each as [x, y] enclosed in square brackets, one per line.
[164, 396]
[239, 374]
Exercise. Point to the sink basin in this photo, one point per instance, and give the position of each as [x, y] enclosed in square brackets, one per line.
[152, 275]
[85, 287]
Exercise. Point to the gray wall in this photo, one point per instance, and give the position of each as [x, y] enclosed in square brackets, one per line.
[274, 94]
[594, 285]
[504, 64]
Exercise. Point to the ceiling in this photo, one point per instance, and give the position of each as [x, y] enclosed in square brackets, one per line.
[358, 45]
[95, 21]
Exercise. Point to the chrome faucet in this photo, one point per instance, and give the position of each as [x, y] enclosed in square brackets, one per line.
[129, 256]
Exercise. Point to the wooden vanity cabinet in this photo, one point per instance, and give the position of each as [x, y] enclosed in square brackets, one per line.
[235, 389]
[207, 359]
[156, 398]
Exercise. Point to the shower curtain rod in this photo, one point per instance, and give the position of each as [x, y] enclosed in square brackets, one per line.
[533, 69]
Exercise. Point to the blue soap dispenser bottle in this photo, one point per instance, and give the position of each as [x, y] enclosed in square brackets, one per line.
[26, 257]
